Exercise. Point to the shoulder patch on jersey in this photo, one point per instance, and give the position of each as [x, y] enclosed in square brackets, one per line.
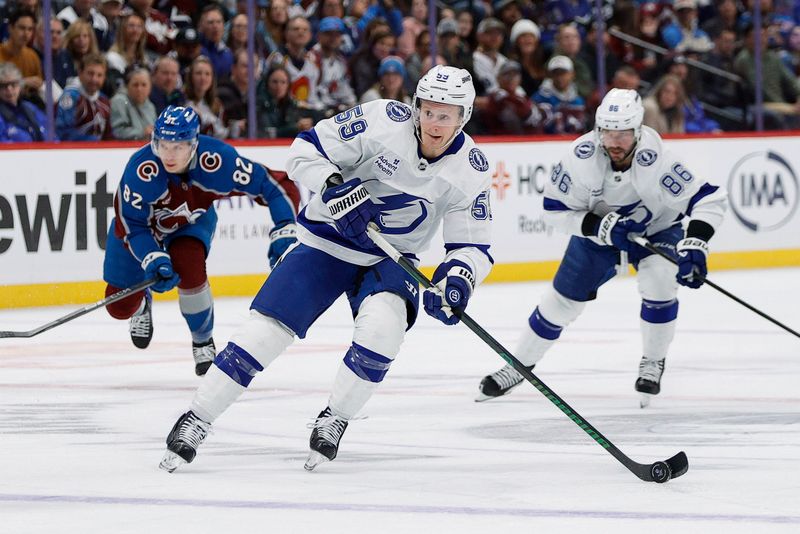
[646, 157]
[146, 170]
[585, 150]
[478, 160]
[66, 101]
[398, 112]
[210, 161]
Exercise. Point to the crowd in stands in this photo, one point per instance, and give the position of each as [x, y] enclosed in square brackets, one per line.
[534, 62]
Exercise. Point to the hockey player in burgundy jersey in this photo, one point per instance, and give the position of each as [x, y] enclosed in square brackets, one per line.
[165, 218]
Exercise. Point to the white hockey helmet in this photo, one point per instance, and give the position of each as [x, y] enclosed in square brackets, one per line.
[446, 85]
[621, 109]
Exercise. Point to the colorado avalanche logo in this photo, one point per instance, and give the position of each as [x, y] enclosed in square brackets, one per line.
[398, 112]
[584, 150]
[146, 170]
[210, 161]
[478, 160]
[168, 220]
[646, 157]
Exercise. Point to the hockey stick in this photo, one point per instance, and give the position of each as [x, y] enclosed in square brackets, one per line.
[119, 295]
[639, 240]
[656, 472]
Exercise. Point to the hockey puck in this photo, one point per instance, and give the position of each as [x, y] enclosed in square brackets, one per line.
[660, 472]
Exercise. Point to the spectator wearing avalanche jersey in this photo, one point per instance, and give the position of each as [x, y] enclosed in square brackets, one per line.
[83, 112]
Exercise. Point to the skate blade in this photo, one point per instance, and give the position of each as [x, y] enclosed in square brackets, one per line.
[314, 459]
[483, 398]
[644, 399]
[170, 462]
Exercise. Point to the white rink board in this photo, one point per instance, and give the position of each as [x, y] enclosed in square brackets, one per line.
[69, 186]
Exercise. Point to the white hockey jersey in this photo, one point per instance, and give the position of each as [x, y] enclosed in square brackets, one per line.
[376, 142]
[657, 189]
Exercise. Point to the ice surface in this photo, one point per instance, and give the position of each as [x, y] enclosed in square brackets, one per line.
[84, 414]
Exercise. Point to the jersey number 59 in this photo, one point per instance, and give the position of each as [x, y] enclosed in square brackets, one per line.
[350, 128]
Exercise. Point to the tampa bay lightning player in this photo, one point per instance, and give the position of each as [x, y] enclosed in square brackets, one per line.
[406, 168]
[165, 218]
[618, 180]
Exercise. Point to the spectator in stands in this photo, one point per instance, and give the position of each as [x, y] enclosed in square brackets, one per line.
[684, 34]
[644, 60]
[84, 10]
[780, 87]
[111, 10]
[487, 56]
[558, 12]
[391, 75]
[212, 29]
[83, 112]
[80, 41]
[271, 28]
[334, 89]
[187, 49]
[233, 95]
[412, 27]
[303, 8]
[335, 9]
[563, 108]
[726, 18]
[384, 9]
[507, 112]
[165, 87]
[295, 57]
[62, 62]
[278, 113]
[237, 36]
[15, 49]
[526, 50]
[132, 112]
[365, 62]
[663, 107]
[415, 63]
[454, 51]
[508, 12]
[721, 92]
[790, 55]
[200, 88]
[160, 30]
[466, 29]
[20, 121]
[127, 50]
[568, 43]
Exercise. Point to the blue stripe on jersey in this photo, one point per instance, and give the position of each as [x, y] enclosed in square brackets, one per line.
[454, 147]
[554, 205]
[704, 191]
[483, 248]
[329, 233]
[312, 137]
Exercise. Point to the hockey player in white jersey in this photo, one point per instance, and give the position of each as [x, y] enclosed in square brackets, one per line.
[408, 169]
[618, 180]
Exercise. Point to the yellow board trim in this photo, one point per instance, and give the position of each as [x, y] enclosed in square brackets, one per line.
[246, 285]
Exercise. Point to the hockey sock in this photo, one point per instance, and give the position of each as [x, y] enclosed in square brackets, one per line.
[197, 307]
[658, 327]
[215, 394]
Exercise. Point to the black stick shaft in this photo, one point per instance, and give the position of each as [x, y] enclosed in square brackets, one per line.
[655, 250]
[639, 470]
[119, 295]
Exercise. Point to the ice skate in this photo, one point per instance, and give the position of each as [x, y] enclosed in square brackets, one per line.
[141, 324]
[327, 431]
[499, 383]
[204, 354]
[649, 382]
[183, 440]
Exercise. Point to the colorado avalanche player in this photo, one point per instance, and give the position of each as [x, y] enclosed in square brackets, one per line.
[618, 180]
[405, 168]
[165, 218]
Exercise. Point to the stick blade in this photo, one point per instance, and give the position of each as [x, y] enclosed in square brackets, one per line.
[6, 333]
[678, 464]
